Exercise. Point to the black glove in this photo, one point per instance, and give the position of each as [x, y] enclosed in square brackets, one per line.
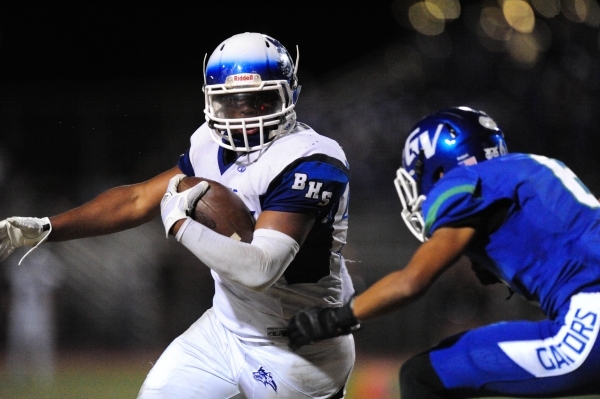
[318, 323]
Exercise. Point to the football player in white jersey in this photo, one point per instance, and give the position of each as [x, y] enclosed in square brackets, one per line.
[296, 183]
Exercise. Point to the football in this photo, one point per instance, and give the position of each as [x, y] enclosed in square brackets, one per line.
[221, 210]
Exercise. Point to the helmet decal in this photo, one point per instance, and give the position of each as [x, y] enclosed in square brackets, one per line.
[492, 152]
[487, 122]
[467, 160]
[285, 63]
[421, 142]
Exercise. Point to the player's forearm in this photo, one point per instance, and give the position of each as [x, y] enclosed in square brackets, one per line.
[256, 265]
[114, 210]
[403, 286]
[385, 296]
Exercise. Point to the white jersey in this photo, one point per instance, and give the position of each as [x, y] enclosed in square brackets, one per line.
[299, 172]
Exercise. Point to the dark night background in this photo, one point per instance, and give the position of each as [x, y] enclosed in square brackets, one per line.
[154, 43]
[94, 97]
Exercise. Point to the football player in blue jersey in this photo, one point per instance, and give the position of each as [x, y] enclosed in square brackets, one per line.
[522, 219]
[296, 183]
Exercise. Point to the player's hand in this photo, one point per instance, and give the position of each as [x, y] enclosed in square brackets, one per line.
[18, 231]
[176, 206]
[318, 323]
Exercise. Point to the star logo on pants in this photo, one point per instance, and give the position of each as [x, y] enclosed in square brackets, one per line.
[265, 377]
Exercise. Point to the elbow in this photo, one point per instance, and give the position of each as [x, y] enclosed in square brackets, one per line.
[263, 276]
[265, 268]
[258, 281]
[259, 287]
[259, 284]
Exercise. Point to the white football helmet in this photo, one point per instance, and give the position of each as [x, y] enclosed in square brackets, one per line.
[250, 91]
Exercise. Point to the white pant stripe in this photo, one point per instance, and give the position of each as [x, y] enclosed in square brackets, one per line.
[568, 349]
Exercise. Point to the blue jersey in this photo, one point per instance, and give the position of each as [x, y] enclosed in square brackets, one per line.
[546, 243]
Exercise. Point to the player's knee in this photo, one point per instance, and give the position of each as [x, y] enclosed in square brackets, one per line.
[418, 379]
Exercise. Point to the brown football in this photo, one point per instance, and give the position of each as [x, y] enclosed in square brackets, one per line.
[221, 210]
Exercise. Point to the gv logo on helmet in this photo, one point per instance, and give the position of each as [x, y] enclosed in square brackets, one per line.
[417, 141]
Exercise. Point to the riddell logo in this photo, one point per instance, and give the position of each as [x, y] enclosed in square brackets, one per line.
[242, 78]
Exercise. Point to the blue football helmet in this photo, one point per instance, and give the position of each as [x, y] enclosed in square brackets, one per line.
[250, 89]
[438, 143]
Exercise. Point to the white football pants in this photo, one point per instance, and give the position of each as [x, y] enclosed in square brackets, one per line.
[209, 362]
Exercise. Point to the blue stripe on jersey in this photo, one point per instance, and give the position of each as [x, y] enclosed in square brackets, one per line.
[314, 183]
[185, 164]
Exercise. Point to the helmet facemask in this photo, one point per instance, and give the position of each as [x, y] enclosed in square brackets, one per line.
[411, 213]
[248, 118]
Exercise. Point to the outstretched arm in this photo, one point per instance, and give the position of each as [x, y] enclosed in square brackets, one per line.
[114, 210]
[386, 295]
[427, 264]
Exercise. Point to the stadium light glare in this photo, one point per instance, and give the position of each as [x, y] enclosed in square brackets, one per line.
[449, 9]
[424, 21]
[494, 24]
[519, 15]
[547, 8]
[523, 49]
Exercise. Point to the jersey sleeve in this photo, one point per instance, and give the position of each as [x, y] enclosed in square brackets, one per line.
[455, 198]
[185, 164]
[310, 184]
[197, 140]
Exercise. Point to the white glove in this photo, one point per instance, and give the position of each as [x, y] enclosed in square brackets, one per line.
[176, 206]
[18, 231]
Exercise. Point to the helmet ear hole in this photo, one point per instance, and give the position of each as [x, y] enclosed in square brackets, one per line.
[437, 174]
[419, 164]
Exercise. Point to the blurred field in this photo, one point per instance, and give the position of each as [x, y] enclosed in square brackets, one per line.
[119, 376]
[84, 375]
